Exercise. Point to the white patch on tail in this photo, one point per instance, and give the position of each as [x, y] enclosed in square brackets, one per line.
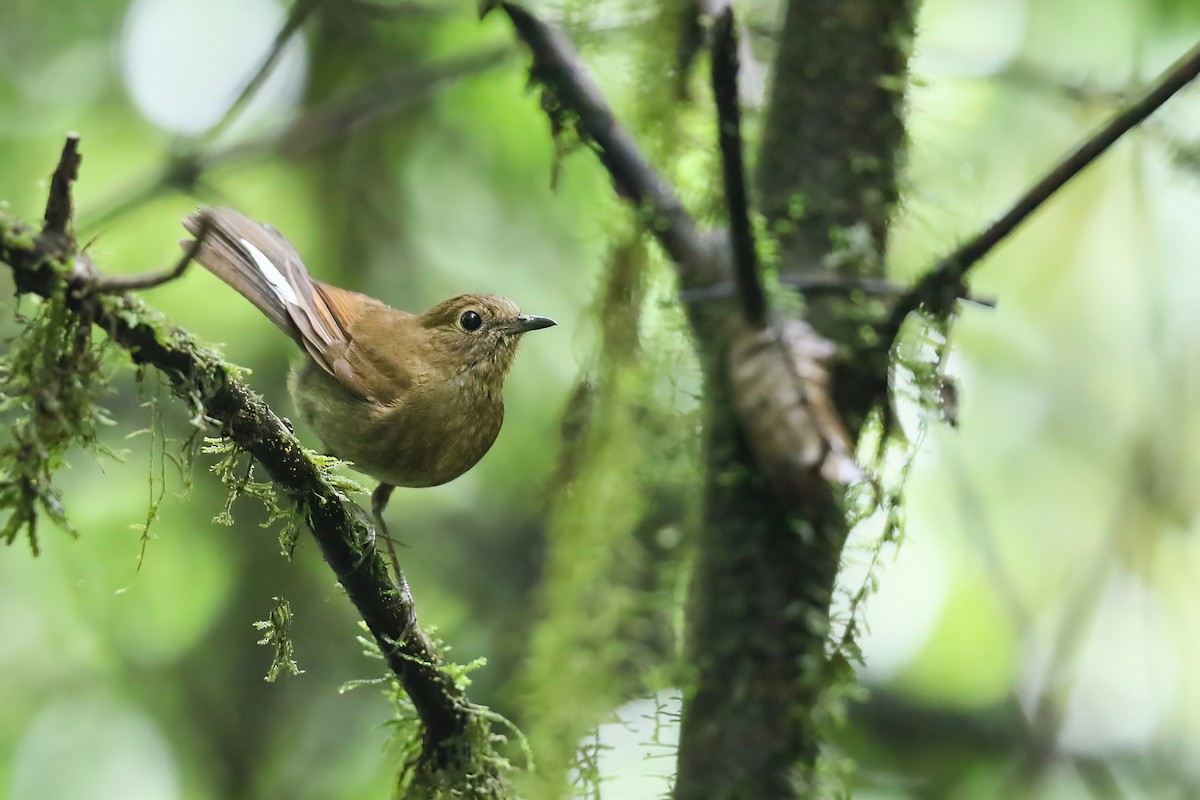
[283, 289]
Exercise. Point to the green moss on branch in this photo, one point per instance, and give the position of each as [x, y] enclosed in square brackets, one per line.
[45, 265]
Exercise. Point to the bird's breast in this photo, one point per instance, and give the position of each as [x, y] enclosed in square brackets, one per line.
[431, 434]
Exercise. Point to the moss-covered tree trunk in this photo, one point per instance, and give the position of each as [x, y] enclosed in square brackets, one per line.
[760, 598]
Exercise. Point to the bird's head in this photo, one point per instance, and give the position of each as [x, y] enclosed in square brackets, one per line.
[480, 332]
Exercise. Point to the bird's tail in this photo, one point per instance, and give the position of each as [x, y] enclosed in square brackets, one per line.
[264, 268]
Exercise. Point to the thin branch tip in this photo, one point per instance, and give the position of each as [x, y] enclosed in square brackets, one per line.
[191, 249]
[296, 18]
[940, 287]
[59, 205]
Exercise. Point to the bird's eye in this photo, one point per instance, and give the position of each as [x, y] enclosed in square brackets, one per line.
[470, 320]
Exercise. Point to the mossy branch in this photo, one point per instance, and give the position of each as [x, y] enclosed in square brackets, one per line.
[48, 265]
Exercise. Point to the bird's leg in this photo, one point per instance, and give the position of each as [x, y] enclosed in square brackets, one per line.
[379, 501]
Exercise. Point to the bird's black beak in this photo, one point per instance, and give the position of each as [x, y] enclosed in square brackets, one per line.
[528, 322]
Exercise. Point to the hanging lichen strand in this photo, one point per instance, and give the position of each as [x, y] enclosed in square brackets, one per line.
[51, 379]
[626, 478]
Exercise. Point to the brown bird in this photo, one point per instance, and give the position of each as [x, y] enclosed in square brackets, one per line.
[411, 400]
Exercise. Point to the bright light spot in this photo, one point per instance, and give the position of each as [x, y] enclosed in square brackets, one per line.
[93, 749]
[185, 61]
[1122, 681]
[969, 37]
[902, 614]
[637, 752]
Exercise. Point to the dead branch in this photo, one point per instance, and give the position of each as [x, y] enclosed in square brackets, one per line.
[937, 290]
[125, 283]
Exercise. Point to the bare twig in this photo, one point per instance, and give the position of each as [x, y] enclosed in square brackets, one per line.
[124, 283]
[59, 204]
[729, 133]
[938, 289]
[556, 66]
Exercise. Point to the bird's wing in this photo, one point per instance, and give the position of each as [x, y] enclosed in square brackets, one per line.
[383, 358]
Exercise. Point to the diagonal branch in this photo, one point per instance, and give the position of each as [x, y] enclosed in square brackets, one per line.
[942, 285]
[149, 280]
[557, 68]
[296, 17]
[729, 127]
[340, 527]
[185, 169]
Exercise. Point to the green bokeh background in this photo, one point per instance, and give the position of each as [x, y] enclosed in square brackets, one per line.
[1068, 485]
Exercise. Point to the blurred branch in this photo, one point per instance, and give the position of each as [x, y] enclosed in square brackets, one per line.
[693, 30]
[186, 167]
[729, 134]
[1027, 75]
[937, 290]
[183, 166]
[299, 13]
[1098, 776]
[393, 10]
[338, 120]
[41, 266]
[1182, 148]
[984, 537]
[1049, 710]
[905, 731]
[902, 723]
[556, 67]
